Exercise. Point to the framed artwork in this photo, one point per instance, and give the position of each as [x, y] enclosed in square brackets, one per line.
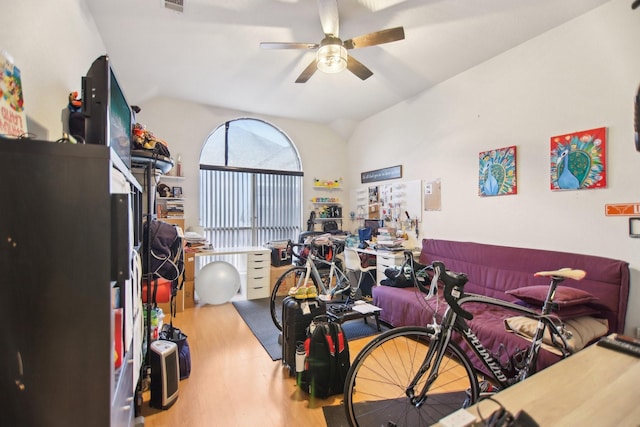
[177, 191]
[497, 172]
[578, 160]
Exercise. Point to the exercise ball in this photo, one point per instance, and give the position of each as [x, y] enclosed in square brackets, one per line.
[217, 282]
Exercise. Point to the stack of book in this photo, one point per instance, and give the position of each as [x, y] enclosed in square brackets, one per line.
[174, 209]
[196, 242]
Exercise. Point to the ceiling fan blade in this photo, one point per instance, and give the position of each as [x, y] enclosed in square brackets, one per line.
[329, 17]
[357, 68]
[378, 37]
[276, 45]
[307, 73]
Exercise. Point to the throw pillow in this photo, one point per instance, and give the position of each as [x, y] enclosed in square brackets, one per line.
[565, 295]
[583, 330]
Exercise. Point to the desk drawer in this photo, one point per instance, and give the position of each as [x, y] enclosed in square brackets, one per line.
[258, 287]
[387, 261]
[259, 273]
[383, 262]
[258, 258]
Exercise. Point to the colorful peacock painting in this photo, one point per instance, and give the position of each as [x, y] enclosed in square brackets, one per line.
[578, 160]
[497, 172]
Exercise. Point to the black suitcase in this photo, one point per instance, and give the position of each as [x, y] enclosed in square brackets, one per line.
[295, 324]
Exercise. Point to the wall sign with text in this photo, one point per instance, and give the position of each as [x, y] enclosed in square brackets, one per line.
[381, 174]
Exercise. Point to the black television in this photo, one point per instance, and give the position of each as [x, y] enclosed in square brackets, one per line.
[108, 118]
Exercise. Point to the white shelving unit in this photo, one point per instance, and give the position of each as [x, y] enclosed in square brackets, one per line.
[327, 206]
[168, 208]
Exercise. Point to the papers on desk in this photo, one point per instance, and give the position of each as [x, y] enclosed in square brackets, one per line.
[365, 308]
[390, 248]
[389, 243]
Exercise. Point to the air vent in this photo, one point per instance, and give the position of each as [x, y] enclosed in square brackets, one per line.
[177, 5]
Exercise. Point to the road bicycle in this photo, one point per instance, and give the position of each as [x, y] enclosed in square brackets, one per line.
[321, 271]
[416, 375]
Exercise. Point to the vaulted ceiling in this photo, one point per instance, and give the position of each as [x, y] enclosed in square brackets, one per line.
[210, 53]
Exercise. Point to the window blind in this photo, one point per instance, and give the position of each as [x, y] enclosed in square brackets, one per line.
[248, 208]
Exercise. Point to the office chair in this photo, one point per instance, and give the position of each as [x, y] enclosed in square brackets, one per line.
[352, 263]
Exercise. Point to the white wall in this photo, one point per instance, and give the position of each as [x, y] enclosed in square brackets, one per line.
[53, 44]
[186, 126]
[579, 76]
[582, 75]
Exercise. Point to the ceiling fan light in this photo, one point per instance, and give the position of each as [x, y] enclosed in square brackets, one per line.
[332, 58]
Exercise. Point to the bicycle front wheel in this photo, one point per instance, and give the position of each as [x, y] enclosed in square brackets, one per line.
[290, 278]
[375, 391]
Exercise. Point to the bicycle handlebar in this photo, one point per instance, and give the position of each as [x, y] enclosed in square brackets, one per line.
[316, 242]
[453, 284]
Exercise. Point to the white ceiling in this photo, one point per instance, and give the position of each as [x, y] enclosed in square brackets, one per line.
[210, 53]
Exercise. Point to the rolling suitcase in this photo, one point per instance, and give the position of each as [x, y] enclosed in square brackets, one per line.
[296, 318]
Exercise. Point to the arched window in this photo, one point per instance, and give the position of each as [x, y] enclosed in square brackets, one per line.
[250, 185]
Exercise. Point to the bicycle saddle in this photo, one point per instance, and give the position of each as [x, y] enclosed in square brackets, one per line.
[565, 273]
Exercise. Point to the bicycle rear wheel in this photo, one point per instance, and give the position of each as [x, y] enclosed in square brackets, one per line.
[375, 389]
[290, 278]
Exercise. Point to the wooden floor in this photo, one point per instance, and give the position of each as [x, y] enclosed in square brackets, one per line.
[233, 380]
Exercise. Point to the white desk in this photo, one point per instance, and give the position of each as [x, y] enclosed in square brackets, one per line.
[386, 259]
[594, 387]
[252, 262]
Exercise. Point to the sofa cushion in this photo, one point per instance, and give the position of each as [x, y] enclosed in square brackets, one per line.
[565, 295]
[583, 330]
[573, 311]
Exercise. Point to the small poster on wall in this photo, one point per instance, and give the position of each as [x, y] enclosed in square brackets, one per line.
[432, 196]
[13, 120]
[374, 205]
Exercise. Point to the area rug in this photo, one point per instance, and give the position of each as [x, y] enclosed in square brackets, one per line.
[380, 413]
[257, 316]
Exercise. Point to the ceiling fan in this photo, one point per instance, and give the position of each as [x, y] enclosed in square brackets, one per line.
[332, 54]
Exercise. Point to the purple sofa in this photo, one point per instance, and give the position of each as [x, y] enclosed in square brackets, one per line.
[493, 270]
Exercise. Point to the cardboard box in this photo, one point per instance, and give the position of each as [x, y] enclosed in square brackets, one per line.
[189, 266]
[276, 272]
[166, 308]
[189, 294]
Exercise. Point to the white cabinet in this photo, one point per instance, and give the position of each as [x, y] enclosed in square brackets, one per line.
[386, 260]
[258, 274]
[252, 262]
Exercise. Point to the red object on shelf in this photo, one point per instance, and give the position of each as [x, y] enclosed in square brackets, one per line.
[163, 294]
[117, 336]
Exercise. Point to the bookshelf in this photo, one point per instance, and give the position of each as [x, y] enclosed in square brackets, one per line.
[171, 209]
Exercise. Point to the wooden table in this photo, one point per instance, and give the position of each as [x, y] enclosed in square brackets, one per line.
[594, 387]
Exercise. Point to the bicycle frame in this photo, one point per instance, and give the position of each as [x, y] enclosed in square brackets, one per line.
[312, 269]
[459, 325]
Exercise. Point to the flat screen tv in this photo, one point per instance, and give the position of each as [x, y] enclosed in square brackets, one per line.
[108, 117]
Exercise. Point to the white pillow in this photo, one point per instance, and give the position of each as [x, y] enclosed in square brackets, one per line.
[583, 330]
